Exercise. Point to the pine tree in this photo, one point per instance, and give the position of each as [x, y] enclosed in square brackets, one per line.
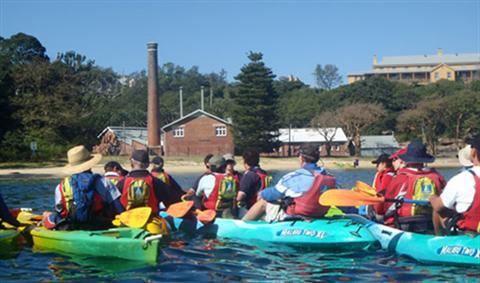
[255, 122]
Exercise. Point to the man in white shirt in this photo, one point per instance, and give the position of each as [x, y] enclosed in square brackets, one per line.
[462, 193]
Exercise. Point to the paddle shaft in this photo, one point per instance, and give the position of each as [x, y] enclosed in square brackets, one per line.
[412, 201]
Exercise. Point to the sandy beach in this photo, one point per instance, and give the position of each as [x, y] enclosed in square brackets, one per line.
[181, 166]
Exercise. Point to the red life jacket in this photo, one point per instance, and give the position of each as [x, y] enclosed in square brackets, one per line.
[471, 217]
[265, 181]
[66, 193]
[416, 185]
[138, 192]
[382, 179]
[224, 192]
[163, 176]
[114, 179]
[307, 204]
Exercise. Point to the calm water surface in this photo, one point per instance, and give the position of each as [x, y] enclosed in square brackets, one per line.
[200, 260]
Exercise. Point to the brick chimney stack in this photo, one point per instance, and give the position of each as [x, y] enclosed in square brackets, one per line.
[152, 115]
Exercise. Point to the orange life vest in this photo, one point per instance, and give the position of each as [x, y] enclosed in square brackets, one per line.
[224, 192]
[265, 181]
[307, 204]
[471, 217]
[139, 191]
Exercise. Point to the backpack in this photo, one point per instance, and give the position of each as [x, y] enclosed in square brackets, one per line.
[78, 193]
[424, 187]
[138, 193]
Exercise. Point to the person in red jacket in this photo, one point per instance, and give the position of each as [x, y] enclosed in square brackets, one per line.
[415, 181]
[461, 197]
[385, 172]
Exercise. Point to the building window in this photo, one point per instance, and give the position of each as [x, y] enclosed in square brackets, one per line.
[437, 75]
[221, 131]
[178, 132]
[449, 75]
[337, 148]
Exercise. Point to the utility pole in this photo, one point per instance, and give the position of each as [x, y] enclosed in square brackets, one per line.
[181, 102]
[211, 96]
[201, 97]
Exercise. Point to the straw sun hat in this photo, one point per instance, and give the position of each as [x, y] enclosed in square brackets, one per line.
[80, 159]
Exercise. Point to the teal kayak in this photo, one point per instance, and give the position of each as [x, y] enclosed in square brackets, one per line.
[321, 233]
[126, 243]
[461, 249]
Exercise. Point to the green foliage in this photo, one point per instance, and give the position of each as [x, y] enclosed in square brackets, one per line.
[298, 107]
[327, 77]
[255, 122]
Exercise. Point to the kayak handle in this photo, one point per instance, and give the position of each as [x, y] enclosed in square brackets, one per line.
[413, 201]
[152, 238]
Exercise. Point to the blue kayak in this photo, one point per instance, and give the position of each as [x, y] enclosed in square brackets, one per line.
[320, 233]
[461, 249]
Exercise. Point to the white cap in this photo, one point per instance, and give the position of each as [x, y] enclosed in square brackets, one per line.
[464, 156]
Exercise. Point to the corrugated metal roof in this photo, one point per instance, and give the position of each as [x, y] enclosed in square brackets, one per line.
[310, 135]
[431, 59]
[128, 134]
[379, 142]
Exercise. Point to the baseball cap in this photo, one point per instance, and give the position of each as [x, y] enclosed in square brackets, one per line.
[382, 158]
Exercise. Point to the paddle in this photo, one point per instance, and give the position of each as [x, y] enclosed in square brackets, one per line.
[135, 218]
[180, 209]
[364, 188]
[353, 198]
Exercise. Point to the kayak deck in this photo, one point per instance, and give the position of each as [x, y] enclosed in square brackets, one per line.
[126, 243]
[319, 233]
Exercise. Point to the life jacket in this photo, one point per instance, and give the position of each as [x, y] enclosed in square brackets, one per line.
[79, 198]
[224, 192]
[265, 181]
[471, 218]
[307, 204]
[138, 192]
[163, 176]
[379, 182]
[114, 179]
[419, 185]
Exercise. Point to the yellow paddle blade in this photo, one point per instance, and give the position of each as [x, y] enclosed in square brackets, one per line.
[365, 188]
[28, 218]
[206, 216]
[135, 218]
[117, 222]
[180, 209]
[347, 198]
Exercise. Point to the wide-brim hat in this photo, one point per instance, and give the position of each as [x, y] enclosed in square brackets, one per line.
[80, 159]
[416, 153]
[464, 156]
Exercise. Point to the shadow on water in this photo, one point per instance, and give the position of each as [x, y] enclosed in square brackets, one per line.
[203, 260]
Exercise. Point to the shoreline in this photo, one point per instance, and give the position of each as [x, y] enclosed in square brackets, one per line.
[181, 167]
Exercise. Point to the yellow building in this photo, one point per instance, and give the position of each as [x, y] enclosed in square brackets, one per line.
[424, 69]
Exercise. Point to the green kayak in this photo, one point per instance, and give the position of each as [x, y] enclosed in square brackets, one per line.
[7, 238]
[126, 243]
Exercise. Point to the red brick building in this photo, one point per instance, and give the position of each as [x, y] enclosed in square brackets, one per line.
[198, 134]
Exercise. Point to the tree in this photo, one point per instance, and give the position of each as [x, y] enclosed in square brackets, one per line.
[355, 117]
[327, 125]
[425, 121]
[255, 122]
[327, 77]
[298, 107]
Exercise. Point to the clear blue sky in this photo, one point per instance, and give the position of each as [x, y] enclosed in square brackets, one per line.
[294, 36]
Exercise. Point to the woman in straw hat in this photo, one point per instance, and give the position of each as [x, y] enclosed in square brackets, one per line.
[83, 199]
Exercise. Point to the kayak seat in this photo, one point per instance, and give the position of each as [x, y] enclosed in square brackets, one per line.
[417, 223]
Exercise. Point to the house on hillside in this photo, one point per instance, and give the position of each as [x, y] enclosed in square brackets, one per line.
[376, 145]
[121, 140]
[198, 134]
[291, 139]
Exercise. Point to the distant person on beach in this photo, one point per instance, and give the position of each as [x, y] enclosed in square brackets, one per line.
[254, 180]
[218, 190]
[5, 215]
[141, 188]
[159, 172]
[415, 181]
[356, 163]
[296, 194]
[83, 200]
[459, 204]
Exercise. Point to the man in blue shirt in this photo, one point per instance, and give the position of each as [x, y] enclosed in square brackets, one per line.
[297, 192]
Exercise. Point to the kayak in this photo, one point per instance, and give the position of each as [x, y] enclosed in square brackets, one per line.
[326, 234]
[126, 243]
[461, 249]
[7, 237]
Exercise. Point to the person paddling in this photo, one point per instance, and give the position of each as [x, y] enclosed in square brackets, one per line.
[385, 172]
[415, 181]
[83, 200]
[140, 188]
[460, 200]
[5, 215]
[159, 172]
[254, 180]
[296, 194]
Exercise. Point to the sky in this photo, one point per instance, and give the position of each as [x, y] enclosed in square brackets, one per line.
[294, 36]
